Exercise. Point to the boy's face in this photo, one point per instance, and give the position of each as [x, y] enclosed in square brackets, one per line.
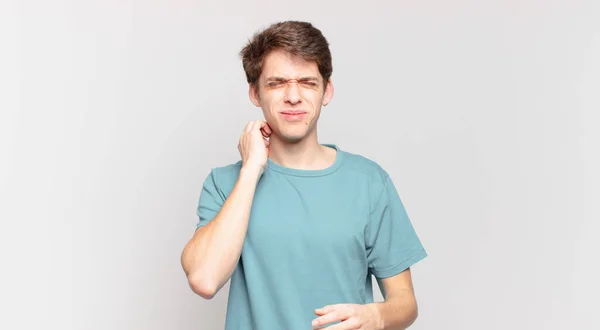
[290, 92]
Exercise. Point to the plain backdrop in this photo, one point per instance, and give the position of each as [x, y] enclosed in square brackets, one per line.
[485, 113]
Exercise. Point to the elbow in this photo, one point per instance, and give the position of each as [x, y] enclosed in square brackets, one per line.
[413, 315]
[202, 287]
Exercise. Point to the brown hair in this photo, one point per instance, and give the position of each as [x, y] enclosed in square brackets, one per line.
[299, 39]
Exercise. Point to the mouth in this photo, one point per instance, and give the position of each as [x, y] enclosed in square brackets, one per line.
[293, 115]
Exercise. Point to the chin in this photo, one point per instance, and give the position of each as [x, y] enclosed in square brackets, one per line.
[292, 134]
[292, 137]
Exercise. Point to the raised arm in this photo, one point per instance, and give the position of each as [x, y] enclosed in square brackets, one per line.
[211, 255]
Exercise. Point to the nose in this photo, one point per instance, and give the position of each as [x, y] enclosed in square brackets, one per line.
[292, 92]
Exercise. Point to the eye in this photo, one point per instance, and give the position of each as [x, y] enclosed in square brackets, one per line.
[274, 84]
[311, 84]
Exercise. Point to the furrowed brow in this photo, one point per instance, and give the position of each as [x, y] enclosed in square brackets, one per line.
[299, 79]
[276, 79]
[309, 79]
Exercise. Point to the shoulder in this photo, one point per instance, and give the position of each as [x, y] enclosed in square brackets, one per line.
[365, 168]
[228, 170]
[225, 176]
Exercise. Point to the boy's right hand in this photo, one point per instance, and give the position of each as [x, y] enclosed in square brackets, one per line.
[254, 146]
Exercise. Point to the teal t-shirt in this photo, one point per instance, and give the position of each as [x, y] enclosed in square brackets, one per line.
[314, 238]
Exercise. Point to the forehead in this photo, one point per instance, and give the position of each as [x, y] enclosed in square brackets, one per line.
[281, 64]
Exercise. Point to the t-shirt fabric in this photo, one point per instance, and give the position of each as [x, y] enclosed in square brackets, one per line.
[314, 238]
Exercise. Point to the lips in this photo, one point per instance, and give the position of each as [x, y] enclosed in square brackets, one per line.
[293, 115]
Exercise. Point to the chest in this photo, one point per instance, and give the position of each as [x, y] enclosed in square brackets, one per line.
[304, 220]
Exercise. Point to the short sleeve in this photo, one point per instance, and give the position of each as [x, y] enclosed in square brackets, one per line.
[210, 202]
[391, 241]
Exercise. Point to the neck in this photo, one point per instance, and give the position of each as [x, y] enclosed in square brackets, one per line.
[306, 154]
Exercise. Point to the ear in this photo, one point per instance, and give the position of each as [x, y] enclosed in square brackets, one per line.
[328, 95]
[254, 96]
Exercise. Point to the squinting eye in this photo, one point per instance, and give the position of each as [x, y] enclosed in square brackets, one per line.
[309, 83]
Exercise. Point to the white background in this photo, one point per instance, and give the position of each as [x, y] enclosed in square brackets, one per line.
[485, 113]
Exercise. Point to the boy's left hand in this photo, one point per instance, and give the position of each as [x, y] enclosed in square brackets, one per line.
[352, 316]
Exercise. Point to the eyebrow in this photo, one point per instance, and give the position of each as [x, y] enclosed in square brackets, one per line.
[284, 79]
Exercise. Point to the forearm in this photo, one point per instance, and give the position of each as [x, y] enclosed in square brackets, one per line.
[398, 311]
[212, 254]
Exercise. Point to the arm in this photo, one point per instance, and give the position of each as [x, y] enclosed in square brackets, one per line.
[394, 243]
[210, 257]
[212, 254]
[392, 246]
[399, 310]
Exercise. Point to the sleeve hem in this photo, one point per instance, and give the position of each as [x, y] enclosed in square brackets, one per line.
[399, 268]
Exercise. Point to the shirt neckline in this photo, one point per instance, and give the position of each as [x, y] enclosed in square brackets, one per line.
[300, 172]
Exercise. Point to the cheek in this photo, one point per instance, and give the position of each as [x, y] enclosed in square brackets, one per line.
[312, 116]
[269, 107]
[315, 103]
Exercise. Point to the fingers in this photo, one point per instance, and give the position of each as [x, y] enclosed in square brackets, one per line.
[347, 325]
[326, 309]
[248, 127]
[320, 311]
[329, 314]
[264, 133]
[265, 127]
[326, 319]
[260, 125]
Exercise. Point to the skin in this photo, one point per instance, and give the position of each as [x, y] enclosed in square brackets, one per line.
[210, 257]
[287, 83]
[397, 311]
